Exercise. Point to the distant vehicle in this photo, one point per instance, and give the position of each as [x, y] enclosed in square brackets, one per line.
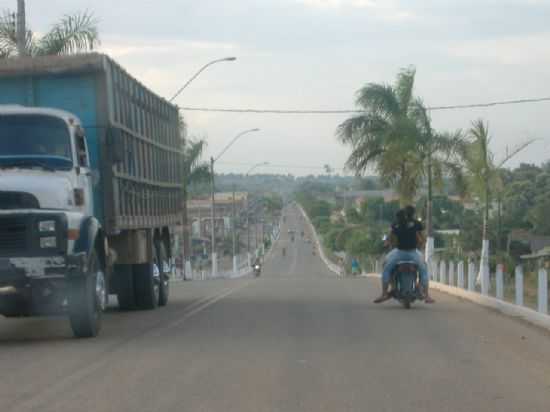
[88, 194]
[257, 270]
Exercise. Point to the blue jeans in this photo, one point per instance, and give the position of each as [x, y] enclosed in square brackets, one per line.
[396, 256]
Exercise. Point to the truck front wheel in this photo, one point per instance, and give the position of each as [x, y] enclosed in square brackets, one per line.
[87, 299]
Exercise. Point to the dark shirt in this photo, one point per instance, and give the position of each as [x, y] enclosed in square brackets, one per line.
[407, 234]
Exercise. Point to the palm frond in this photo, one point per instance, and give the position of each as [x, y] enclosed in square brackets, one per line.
[199, 174]
[378, 98]
[8, 40]
[74, 33]
[404, 88]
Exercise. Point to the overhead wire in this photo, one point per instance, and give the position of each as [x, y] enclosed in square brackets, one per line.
[355, 111]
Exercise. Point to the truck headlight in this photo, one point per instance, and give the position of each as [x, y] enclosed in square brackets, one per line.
[46, 226]
[48, 242]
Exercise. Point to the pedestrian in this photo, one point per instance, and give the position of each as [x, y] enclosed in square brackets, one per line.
[355, 269]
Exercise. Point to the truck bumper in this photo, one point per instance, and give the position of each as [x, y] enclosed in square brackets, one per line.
[37, 286]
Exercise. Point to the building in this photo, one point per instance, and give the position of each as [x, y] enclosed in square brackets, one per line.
[199, 213]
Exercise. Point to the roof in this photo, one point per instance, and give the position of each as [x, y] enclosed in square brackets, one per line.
[220, 199]
[44, 111]
[67, 64]
[544, 252]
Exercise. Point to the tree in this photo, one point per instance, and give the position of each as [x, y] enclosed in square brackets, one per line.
[386, 135]
[194, 171]
[72, 34]
[440, 155]
[483, 177]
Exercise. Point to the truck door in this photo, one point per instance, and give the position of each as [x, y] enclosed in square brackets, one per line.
[86, 177]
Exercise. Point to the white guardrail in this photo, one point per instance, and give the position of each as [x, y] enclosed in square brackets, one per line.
[461, 279]
[333, 267]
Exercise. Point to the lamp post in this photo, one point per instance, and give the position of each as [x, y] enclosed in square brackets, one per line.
[213, 189]
[186, 254]
[248, 214]
[203, 68]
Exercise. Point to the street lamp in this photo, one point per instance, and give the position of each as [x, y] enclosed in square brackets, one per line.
[256, 166]
[225, 59]
[248, 212]
[203, 68]
[212, 213]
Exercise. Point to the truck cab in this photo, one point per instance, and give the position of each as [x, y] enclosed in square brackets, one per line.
[47, 265]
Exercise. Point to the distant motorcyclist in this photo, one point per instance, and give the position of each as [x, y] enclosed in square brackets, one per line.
[257, 266]
[406, 236]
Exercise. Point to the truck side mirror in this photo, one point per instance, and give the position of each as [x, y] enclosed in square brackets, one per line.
[116, 144]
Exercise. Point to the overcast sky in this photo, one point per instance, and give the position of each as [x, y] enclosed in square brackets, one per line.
[315, 54]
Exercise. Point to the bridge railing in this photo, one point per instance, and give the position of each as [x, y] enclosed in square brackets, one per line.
[507, 287]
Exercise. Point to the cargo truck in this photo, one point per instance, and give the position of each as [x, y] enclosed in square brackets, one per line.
[90, 189]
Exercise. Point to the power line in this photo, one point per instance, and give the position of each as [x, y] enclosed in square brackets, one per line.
[307, 111]
[285, 166]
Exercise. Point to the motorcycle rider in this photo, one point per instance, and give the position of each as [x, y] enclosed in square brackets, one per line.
[406, 236]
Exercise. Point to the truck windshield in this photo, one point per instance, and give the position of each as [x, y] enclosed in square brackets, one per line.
[34, 141]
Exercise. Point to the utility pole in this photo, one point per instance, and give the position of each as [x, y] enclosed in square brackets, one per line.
[213, 217]
[234, 227]
[21, 30]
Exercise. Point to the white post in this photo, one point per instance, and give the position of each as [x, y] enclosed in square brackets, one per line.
[434, 270]
[235, 265]
[471, 276]
[429, 256]
[500, 282]
[460, 270]
[249, 259]
[485, 279]
[442, 272]
[214, 265]
[483, 276]
[451, 273]
[188, 273]
[377, 266]
[543, 291]
[519, 285]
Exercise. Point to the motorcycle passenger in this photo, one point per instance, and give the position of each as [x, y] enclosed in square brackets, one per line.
[406, 236]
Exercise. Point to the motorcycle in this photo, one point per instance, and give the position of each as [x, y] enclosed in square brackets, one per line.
[405, 284]
[257, 270]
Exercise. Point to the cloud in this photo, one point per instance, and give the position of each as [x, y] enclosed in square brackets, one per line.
[511, 50]
[386, 10]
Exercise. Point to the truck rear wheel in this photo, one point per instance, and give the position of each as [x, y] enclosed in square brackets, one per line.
[147, 283]
[87, 299]
[125, 287]
[165, 272]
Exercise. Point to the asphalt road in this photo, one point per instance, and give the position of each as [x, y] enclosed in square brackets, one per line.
[295, 339]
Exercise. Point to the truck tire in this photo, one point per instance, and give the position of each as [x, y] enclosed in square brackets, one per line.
[147, 283]
[87, 299]
[125, 287]
[165, 272]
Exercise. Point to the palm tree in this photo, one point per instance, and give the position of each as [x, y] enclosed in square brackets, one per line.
[441, 157]
[194, 171]
[385, 135]
[483, 180]
[72, 34]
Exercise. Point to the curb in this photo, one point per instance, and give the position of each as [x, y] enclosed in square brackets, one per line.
[331, 266]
